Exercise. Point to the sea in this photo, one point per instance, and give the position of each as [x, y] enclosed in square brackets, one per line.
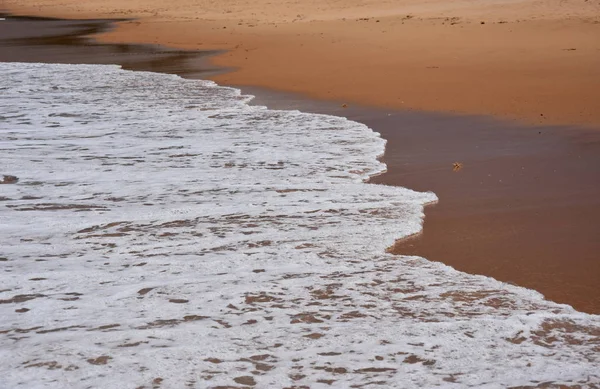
[166, 233]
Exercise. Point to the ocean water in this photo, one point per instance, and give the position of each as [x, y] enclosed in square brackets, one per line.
[165, 234]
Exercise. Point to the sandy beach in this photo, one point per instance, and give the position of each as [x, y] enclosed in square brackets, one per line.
[535, 61]
[211, 243]
[522, 210]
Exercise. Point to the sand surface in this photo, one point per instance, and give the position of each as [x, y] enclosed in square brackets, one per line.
[535, 61]
[523, 208]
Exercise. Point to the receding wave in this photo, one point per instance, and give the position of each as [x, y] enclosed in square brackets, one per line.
[159, 232]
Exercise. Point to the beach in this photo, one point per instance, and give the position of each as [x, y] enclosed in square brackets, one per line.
[522, 210]
[534, 61]
[520, 206]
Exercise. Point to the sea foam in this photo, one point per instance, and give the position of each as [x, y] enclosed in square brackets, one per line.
[164, 233]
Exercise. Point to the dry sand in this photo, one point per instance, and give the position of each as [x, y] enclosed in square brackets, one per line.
[536, 61]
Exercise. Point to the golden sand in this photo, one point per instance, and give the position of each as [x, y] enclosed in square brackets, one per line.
[535, 61]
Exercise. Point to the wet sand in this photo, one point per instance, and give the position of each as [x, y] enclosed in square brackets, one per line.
[36, 39]
[523, 208]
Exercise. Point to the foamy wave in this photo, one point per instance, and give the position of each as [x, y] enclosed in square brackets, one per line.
[165, 233]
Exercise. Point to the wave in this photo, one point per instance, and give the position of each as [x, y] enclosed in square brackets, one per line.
[165, 232]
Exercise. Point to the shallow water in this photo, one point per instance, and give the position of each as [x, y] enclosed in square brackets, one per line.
[165, 233]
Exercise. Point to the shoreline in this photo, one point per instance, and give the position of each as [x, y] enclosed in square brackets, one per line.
[225, 244]
[521, 210]
[533, 64]
[409, 134]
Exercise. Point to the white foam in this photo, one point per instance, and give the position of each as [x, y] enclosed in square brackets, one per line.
[192, 239]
